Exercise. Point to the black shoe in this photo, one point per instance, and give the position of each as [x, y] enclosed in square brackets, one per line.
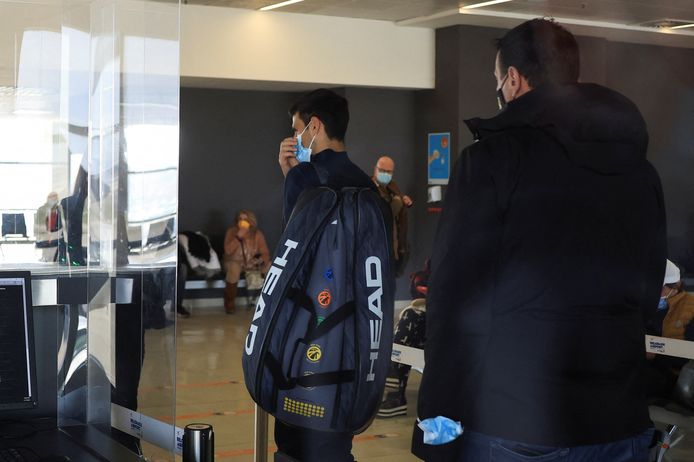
[394, 405]
[182, 312]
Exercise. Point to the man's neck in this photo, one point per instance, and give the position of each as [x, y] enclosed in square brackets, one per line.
[337, 146]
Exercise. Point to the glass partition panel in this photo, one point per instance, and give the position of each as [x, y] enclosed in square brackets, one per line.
[88, 200]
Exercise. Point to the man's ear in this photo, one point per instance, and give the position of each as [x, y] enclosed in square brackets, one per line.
[514, 77]
[316, 124]
[519, 84]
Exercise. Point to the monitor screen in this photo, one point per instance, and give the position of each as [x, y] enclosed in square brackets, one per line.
[17, 359]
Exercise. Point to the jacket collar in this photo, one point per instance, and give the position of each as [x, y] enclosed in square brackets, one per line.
[599, 128]
[521, 112]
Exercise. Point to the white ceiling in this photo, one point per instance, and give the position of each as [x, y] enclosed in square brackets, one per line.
[388, 10]
[617, 20]
[612, 19]
[620, 11]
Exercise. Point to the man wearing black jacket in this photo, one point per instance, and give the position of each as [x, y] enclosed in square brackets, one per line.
[548, 258]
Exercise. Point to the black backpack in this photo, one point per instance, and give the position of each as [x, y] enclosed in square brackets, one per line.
[318, 348]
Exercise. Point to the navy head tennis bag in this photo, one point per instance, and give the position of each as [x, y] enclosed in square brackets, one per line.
[318, 348]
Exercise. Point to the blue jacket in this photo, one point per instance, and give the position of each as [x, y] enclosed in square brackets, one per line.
[341, 172]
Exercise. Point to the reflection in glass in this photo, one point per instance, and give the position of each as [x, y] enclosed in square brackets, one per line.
[88, 194]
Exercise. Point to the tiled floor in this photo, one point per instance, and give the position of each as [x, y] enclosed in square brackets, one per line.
[209, 388]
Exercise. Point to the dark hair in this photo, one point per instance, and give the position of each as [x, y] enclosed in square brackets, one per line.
[331, 108]
[542, 51]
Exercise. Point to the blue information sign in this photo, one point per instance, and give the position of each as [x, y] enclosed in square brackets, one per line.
[439, 158]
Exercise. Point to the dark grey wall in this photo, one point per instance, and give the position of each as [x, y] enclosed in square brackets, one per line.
[229, 139]
[381, 123]
[228, 158]
[465, 88]
[660, 80]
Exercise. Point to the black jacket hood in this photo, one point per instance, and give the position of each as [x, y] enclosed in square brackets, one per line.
[600, 129]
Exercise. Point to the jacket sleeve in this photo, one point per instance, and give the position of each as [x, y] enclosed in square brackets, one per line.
[403, 245]
[298, 179]
[231, 242]
[459, 308]
[263, 250]
[654, 271]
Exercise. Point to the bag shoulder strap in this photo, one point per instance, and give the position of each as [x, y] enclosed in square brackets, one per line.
[302, 300]
[306, 381]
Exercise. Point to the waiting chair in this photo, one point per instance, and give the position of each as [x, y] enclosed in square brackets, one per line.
[676, 412]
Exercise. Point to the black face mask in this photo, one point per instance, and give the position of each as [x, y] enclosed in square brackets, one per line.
[500, 95]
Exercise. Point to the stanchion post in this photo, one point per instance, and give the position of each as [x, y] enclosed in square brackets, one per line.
[260, 435]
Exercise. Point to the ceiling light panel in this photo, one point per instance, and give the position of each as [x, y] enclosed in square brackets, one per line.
[483, 4]
[280, 5]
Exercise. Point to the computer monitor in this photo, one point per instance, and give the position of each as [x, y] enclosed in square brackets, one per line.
[14, 224]
[18, 388]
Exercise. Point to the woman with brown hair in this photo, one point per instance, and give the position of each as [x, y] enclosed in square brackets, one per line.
[245, 249]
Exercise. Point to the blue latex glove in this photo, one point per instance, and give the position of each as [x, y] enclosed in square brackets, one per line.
[439, 430]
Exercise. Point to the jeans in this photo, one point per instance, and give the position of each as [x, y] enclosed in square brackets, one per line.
[477, 447]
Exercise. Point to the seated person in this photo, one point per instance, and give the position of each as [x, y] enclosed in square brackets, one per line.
[672, 320]
[677, 305]
[244, 249]
[196, 257]
[409, 331]
[48, 227]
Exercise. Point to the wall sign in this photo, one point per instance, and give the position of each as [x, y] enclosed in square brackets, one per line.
[439, 158]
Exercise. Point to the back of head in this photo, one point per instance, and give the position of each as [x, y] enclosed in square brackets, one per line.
[331, 108]
[542, 51]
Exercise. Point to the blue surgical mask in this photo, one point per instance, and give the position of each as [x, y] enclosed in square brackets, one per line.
[662, 304]
[439, 430]
[303, 154]
[383, 178]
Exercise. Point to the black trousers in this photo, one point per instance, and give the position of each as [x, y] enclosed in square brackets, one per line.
[313, 446]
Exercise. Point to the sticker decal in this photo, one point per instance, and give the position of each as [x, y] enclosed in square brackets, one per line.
[314, 353]
[324, 298]
[329, 274]
[303, 408]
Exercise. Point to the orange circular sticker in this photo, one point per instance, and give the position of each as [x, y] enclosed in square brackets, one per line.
[324, 298]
